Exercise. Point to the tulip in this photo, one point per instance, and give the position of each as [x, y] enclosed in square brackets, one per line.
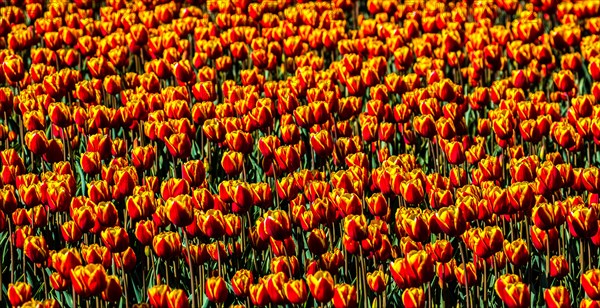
[36, 249]
[259, 294]
[465, 274]
[241, 281]
[215, 289]
[557, 297]
[589, 282]
[589, 303]
[193, 172]
[321, 286]
[177, 298]
[355, 226]
[564, 80]
[232, 162]
[441, 251]
[36, 142]
[113, 291]
[178, 145]
[19, 293]
[345, 296]
[413, 298]
[377, 281]
[179, 210]
[89, 280]
[512, 291]
[558, 267]
[158, 295]
[166, 245]
[212, 223]
[277, 224]
[296, 291]
[115, 238]
[90, 162]
[516, 252]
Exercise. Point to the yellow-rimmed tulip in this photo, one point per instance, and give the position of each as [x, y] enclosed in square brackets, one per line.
[321, 286]
[413, 298]
[19, 293]
[590, 281]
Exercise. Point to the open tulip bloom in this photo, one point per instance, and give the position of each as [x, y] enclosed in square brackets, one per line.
[344, 153]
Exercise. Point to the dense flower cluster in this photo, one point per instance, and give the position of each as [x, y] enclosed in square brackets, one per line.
[275, 152]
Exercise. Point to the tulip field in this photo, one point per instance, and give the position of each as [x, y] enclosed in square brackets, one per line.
[282, 153]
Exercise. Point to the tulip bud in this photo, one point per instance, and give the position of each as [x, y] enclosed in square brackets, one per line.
[180, 210]
[115, 238]
[216, 289]
[158, 295]
[36, 249]
[589, 282]
[167, 245]
[19, 293]
[321, 286]
[113, 291]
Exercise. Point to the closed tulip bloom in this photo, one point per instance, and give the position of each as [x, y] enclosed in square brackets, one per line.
[517, 252]
[177, 299]
[90, 162]
[259, 294]
[145, 231]
[158, 295]
[377, 205]
[583, 221]
[322, 143]
[232, 162]
[441, 251]
[19, 293]
[589, 303]
[36, 249]
[558, 267]
[141, 206]
[115, 238]
[425, 126]
[167, 245]
[564, 80]
[180, 210]
[89, 280]
[143, 157]
[590, 281]
[296, 291]
[70, 232]
[84, 217]
[377, 281]
[113, 291]
[465, 274]
[557, 297]
[321, 286]
[125, 180]
[58, 282]
[65, 260]
[194, 172]
[345, 296]
[216, 289]
[36, 142]
[413, 298]
[412, 191]
[277, 224]
[179, 145]
[454, 152]
[513, 294]
[241, 281]
[488, 241]
[547, 216]
[356, 227]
